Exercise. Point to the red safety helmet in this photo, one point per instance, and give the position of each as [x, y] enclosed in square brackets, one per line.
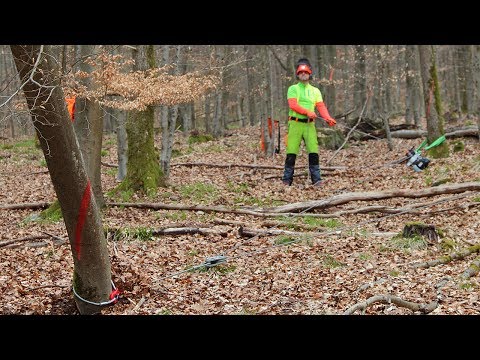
[304, 67]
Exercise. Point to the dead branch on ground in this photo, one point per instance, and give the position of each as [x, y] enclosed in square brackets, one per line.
[27, 238]
[325, 168]
[375, 195]
[38, 205]
[388, 299]
[472, 270]
[448, 258]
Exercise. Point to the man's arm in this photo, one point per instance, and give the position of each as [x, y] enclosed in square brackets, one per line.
[323, 111]
[293, 104]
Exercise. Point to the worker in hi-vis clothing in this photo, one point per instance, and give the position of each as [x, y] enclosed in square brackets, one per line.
[303, 98]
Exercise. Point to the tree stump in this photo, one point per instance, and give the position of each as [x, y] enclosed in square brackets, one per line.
[428, 232]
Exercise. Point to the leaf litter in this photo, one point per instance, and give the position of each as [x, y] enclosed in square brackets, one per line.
[324, 274]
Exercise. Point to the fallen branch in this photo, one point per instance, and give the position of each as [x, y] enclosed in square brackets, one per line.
[413, 134]
[388, 299]
[448, 258]
[439, 286]
[462, 206]
[293, 210]
[57, 240]
[39, 205]
[109, 165]
[179, 231]
[47, 286]
[189, 231]
[208, 209]
[27, 238]
[25, 173]
[325, 168]
[36, 244]
[472, 270]
[245, 232]
[374, 195]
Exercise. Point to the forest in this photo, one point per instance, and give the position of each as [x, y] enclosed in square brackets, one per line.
[147, 180]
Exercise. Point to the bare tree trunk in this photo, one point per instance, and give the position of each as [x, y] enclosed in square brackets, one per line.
[330, 94]
[457, 98]
[388, 99]
[169, 123]
[268, 124]
[46, 102]
[431, 95]
[412, 111]
[360, 84]
[378, 71]
[251, 97]
[143, 170]
[218, 109]
[122, 144]
[208, 128]
[89, 129]
[476, 76]
[469, 81]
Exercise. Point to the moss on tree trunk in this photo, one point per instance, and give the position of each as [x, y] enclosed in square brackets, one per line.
[143, 168]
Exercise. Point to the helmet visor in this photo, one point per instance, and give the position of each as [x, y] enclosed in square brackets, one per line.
[305, 68]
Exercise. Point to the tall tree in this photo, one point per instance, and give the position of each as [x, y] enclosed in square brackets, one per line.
[412, 85]
[88, 126]
[169, 122]
[360, 79]
[329, 89]
[143, 169]
[476, 74]
[39, 75]
[432, 100]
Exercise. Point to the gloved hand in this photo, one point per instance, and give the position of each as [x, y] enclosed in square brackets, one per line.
[311, 114]
[330, 122]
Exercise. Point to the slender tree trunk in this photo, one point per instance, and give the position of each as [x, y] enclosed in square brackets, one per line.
[388, 109]
[46, 102]
[476, 74]
[88, 126]
[169, 123]
[250, 95]
[122, 144]
[360, 84]
[469, 78]
[413, 104]
[208, 128]
[330, 94]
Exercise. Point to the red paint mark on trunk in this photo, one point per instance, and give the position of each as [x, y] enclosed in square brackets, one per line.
[82, 215]
[330, 78]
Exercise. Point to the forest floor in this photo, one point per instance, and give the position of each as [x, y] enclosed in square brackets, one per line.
[336, 263]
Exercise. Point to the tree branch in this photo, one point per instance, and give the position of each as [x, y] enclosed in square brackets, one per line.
[448, 258]
[388, 299]
[39, 205]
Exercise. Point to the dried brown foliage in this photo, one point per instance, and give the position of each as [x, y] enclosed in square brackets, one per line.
[113, 85]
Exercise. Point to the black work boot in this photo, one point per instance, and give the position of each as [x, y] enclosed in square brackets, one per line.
[287, 178]
[314, 168]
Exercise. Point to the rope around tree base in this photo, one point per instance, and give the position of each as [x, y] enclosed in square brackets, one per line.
[114, 295]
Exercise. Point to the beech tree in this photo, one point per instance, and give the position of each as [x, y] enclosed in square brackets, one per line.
[88, 127]
[432, 100]
[40, 81]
